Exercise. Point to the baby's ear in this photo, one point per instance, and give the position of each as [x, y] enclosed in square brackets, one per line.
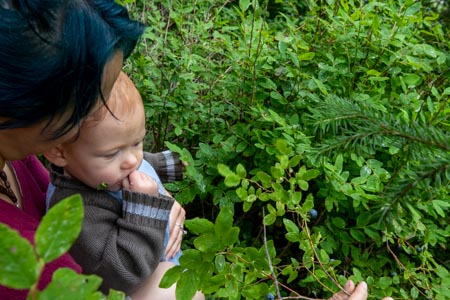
[56, 156]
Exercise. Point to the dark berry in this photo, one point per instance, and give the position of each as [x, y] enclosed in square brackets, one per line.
[393, 274]
[313, 213]
[419, 249]
[399, 248]
[270, 296]
[331, 260]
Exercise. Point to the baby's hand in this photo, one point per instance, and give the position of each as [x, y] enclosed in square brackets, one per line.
[140, 182]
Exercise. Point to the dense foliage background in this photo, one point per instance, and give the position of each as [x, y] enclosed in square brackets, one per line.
[317, 137]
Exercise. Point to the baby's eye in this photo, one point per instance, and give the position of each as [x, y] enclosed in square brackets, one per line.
[138, 144]
[110, 155]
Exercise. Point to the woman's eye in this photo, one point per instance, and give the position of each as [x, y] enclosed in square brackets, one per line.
[138, 144]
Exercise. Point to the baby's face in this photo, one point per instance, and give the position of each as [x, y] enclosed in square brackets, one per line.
[108, 150]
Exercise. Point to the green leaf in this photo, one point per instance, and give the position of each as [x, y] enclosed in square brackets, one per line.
[264, 178]
[19, 267]
[303, 185]
[219, 262]
[412, 79]
[308, 204]
[384, 282]
[440, 206]
[224, 221]
[306, 56]
[69, 285]
[310, 174]
[446, 91]
[244, 5]
[413, 9]
[358, 235]
[294, 161]
[338, 164]
[321, 86]
[224, 170]
[240, 170]
[232, 180]
[171, 276]
[59, 228]
[113, 295]
[187, 286]
[270, 218]
[338, 222]
[207, 243]
[199, 225]
[230, 237]
[290, 226]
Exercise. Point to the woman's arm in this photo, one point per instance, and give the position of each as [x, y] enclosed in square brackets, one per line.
[167, 164]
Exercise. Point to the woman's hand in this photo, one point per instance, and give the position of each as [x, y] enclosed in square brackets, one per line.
[358, 293]
[177, 216]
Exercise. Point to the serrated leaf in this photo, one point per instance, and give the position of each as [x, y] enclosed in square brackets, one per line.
[18, 264]
[59, 228]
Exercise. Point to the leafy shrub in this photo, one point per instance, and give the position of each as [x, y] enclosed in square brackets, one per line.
[281, 107]
[21, 263]
[317, 139]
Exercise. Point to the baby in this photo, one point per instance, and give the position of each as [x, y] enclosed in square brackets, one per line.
[125, 227]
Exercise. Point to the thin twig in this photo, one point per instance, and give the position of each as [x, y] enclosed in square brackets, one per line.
[269, 261]
[305, 227]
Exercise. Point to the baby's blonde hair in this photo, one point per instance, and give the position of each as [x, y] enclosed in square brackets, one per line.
[123, 100]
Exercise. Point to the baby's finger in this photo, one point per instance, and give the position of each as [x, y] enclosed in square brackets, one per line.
[126, 183]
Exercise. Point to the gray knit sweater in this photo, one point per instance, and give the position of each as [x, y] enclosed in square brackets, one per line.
[122, 243]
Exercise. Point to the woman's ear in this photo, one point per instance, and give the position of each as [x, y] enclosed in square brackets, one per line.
[56, 156]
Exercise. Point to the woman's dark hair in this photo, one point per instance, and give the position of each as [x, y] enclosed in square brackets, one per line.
[52, 57]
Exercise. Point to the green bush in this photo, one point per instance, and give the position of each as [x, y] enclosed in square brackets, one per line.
[282, 107]
[21, 263]
[317, 139]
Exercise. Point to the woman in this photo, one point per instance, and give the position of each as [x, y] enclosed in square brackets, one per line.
[58, 62]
